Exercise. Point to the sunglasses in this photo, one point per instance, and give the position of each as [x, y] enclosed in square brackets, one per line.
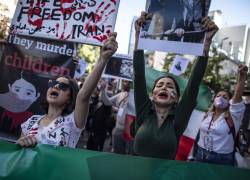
[60, 85]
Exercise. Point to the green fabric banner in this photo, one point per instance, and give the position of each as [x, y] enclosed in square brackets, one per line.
[57, 163]
[204, 96]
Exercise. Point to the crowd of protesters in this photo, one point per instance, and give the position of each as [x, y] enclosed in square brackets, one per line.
[104, 113]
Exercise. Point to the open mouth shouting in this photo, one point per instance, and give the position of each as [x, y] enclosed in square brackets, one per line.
[163, 95]
[53, 94]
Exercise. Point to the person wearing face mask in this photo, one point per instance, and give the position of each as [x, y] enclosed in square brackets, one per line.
[221, 124]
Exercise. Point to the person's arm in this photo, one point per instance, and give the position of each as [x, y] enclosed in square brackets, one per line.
[83, 97]
[108, 101]
[239, 88]
[139, 23]
[188, 99]
[140, 89]
[237, 106]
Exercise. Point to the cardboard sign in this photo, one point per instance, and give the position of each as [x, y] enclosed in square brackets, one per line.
[175, 26]
[84, 21]
[80, 68]
[119, 67]
[24, 74]
[179, 65]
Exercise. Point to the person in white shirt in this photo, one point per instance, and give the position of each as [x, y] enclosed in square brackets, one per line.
[66, 108]
[120, 104]
[221, 124]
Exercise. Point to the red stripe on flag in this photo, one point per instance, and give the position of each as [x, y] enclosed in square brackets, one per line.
[184, 148]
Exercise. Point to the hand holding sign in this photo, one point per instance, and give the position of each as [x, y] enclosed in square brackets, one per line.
[211, 28]
[139, 24]
[109, 48]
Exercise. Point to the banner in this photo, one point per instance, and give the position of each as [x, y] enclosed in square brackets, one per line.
[25, 69]
[175, 26]
[53, 163]
[84, 21]
[179, 65]
[119, 67]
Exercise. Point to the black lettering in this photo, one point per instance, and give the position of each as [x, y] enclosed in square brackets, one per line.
[55, 14]
[90, 30]
[36, 11]
[99, 30]
[93, 3]
[46, 13]
[63, 133]
[90, 15]
[23, 10]
[74, 31]
[67, 15]
[53, 136]
[77, 14]
[80, 31]
[57, 3]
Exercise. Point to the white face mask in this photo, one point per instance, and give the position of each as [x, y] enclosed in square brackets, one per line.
[221, 102]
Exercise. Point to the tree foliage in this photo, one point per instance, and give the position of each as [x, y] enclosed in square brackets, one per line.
[4, 22]
[90, 54]
[212, 77]
[168, 61]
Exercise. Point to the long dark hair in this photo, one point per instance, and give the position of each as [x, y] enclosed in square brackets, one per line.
[173, 79]
[69, 108]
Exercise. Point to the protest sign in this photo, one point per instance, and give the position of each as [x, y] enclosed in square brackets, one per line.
[119, 67]
[175, 26]
[80, 68]
[24, 74]
[84, 21]
[179, 65]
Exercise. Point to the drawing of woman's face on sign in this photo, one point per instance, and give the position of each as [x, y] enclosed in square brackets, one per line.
[21, 95]
[174, 24]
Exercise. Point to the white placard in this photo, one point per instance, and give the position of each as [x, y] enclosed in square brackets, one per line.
[175, 26]
[84, 21]
[179, 65]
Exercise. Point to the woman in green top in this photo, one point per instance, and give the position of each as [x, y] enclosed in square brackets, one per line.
[162, 120]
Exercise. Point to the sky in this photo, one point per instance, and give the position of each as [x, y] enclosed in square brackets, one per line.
[236, 12]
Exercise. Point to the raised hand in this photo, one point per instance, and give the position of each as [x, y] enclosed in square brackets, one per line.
[239, 88]
[139, 24]
[211, 28]
[103, 85]
[109, 47]
[179, 32]
[242, 72]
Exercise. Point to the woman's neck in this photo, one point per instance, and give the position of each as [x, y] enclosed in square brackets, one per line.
[162, 113]
[54, 112]
[218, 112]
